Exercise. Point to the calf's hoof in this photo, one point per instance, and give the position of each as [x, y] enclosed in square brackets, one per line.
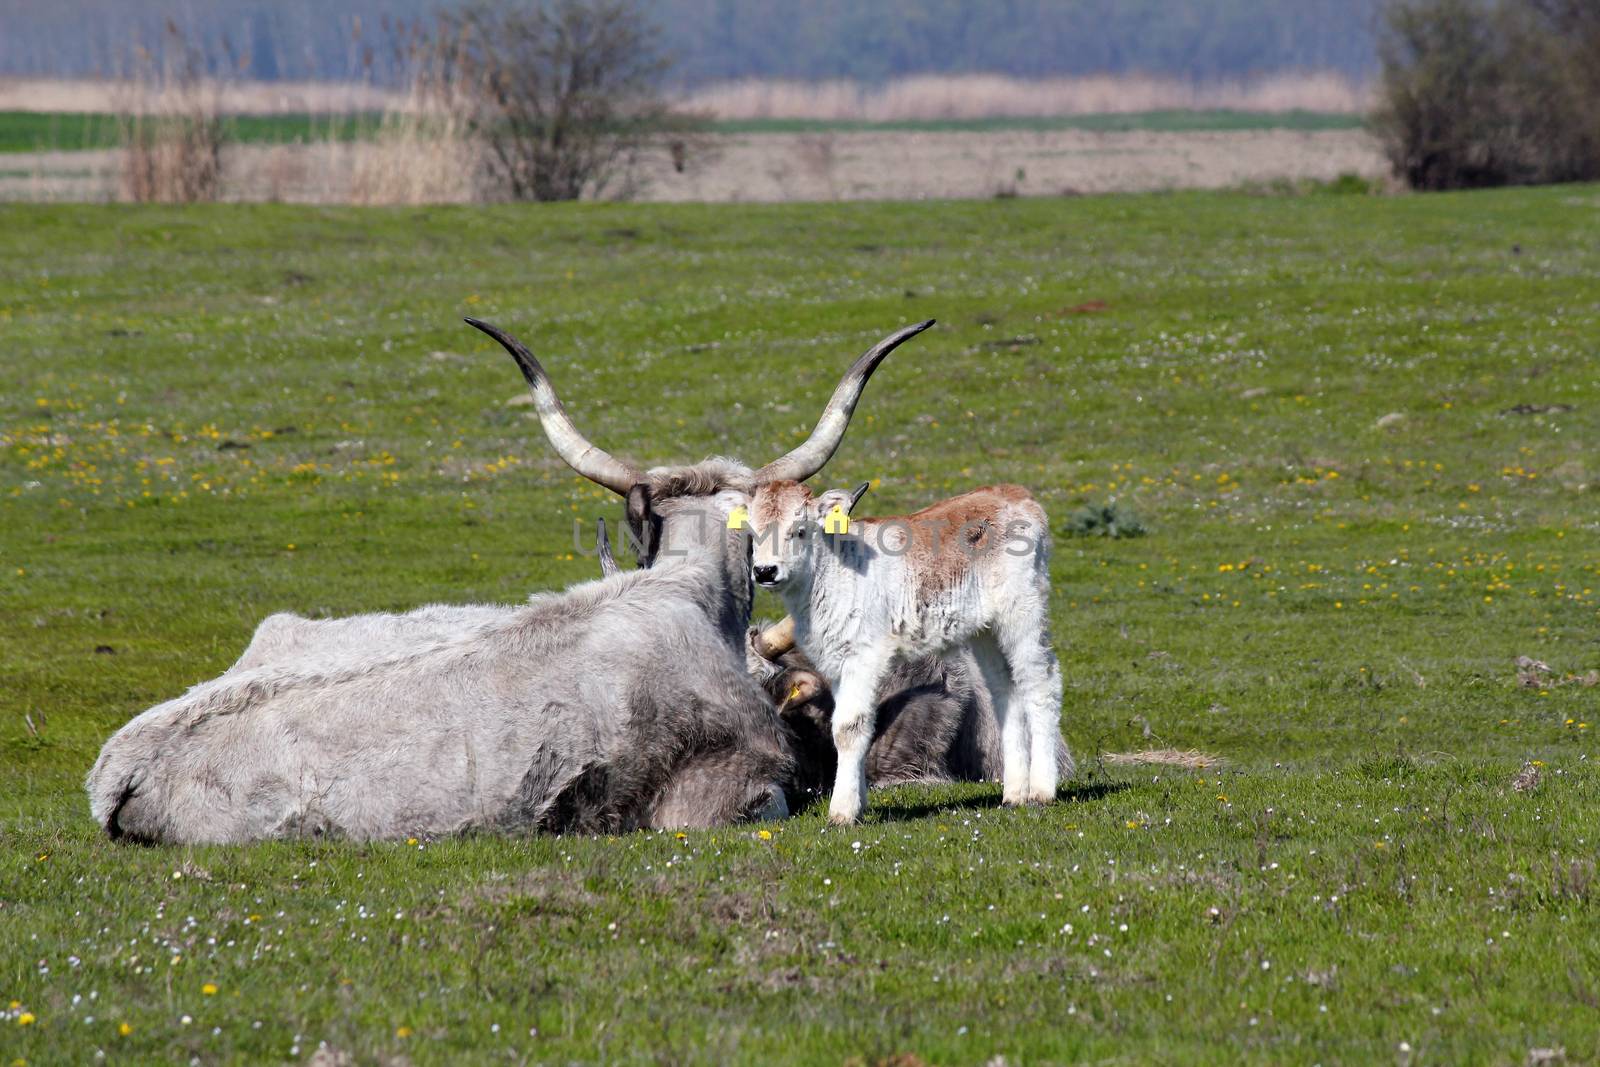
[841, 818]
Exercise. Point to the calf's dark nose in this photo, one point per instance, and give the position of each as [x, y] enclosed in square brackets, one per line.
[766, 573]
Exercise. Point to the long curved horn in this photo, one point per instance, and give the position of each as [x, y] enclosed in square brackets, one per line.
[776, 639]
[808, 459]
[592, 462]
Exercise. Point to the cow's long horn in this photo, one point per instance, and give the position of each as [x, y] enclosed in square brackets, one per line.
[809, 458]
[592, 462]
[776, 639]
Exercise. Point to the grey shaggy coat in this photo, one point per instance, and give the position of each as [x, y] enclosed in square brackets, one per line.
[618, 704]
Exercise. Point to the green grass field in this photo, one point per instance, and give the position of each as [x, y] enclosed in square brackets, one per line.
[26, 131]
[1360, 430]
[42, 131]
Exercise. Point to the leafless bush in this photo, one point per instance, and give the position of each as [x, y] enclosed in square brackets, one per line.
[1491, 92]
[563, 95]
[170, 126]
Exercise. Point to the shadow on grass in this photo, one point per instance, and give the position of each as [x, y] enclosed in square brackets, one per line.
[909, 809]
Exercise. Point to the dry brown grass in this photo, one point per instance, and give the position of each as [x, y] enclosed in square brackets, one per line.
[978, 96]
[169, 121]
[419, 156]
[232, 98]
[1189, 759]
[905, 99]
[171, 144]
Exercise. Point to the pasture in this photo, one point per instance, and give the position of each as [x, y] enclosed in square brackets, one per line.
[35, 131]
[1359, 430]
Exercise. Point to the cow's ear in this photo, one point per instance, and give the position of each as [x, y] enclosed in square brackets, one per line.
[638, 504]
[730, 503]
[644, 523]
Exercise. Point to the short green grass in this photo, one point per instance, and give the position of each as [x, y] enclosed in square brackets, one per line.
[42, 131]
[25, 131]
[1360, 433]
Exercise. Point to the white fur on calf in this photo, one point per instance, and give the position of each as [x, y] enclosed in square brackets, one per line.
[972, 570]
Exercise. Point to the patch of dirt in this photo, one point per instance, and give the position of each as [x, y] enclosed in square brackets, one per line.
[1527, 779]
[554, 890]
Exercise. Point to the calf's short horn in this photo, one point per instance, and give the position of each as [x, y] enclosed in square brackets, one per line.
[776, 639]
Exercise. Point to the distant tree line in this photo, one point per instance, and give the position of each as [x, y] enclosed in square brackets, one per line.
[1491, 92]
[713, 40]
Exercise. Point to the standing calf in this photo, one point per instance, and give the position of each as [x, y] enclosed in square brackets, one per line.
[935, 719]
[972, 570]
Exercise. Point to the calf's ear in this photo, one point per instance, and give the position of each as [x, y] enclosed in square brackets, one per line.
[842, 499]
[798, 688]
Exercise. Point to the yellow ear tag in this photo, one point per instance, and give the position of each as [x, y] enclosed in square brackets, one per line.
[837, 521]
[738, 518]
[794, 693]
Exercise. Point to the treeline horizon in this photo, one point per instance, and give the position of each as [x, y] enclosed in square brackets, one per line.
[712, 41]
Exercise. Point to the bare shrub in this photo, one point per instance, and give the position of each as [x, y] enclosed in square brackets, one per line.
[563, 95]
[1490, 92]
[170, 126]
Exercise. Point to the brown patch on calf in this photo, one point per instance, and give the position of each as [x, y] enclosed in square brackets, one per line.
[945, 539]
[948, 537]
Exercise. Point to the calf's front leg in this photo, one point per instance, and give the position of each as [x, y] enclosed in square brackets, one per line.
[855, 712]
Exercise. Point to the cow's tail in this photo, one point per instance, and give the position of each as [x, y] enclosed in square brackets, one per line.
[120, 796]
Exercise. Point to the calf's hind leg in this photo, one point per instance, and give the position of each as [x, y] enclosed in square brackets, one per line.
[1036, 699]
[1008, 713]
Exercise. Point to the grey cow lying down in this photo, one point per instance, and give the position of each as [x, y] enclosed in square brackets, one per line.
[440, 721]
